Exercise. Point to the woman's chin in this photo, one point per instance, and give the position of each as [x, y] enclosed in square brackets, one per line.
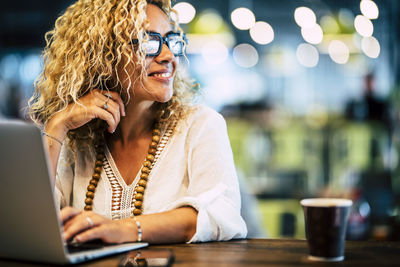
[164, 98]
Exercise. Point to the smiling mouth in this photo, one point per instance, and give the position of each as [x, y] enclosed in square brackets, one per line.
[161, 75]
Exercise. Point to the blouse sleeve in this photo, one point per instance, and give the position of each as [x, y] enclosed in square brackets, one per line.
[64, 177]
[213, 188]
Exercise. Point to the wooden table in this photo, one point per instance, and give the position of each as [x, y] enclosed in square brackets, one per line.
[263, 252]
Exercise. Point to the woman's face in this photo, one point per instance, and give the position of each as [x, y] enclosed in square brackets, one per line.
[160, 70]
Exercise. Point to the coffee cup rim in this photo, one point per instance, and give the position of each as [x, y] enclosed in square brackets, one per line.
[326, 202]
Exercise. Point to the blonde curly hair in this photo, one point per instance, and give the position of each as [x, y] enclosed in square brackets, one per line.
[85, 48]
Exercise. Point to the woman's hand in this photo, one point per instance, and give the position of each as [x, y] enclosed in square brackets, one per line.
[84, 226]
[91, 106]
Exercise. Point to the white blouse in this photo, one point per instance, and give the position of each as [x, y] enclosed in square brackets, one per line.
[195, 169]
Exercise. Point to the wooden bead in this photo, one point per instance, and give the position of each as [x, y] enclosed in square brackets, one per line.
[140, 189]
[144, 176]
[139, 196]
[91, 188]
[156, 138]
[150, 158]
[97, 169]
[145, 170]
[147, 164]
[96, 176]
[142, 182]
[152, 151]
[153, 144]
[137, 212]
[88, 201]
[138, 204]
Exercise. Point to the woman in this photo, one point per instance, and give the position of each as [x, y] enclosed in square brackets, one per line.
[133, 159]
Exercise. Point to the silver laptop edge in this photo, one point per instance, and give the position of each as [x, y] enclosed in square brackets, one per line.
[30, 228]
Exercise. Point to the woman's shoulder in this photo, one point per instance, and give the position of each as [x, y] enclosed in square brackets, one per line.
[200, 118]
[201, 113]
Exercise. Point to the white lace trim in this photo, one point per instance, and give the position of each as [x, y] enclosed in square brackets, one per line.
[122, 194]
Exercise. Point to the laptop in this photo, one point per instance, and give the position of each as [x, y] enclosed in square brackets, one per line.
[30, 228]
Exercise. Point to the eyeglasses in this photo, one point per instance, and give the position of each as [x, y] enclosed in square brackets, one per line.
[174, 40]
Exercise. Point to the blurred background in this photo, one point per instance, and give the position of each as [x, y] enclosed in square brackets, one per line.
[309, 89]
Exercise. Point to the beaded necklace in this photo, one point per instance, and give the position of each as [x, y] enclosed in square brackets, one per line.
[144, 172]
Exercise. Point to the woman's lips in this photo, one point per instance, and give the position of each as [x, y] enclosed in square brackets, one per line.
[163, 77]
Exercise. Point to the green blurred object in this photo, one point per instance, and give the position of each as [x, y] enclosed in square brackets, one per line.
[272, 212]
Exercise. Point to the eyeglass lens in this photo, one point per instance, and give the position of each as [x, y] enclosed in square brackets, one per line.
[154, 45]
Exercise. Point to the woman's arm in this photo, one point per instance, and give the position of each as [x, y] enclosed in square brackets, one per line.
[55, 130]
[76, 115]
[174, 226]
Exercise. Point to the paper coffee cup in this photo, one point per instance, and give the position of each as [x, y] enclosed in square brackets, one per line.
[325, 225]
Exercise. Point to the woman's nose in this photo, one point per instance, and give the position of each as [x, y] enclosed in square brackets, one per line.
[165, 54]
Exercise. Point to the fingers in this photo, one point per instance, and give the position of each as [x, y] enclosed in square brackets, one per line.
[108, 109]
[112, 103]
[111, 119]
[117, 98]
[88, 225]
[81, 222]
[67, 213]
[91, 234]
[110, 231]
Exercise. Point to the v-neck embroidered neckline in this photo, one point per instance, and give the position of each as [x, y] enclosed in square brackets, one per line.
[116, 172]
[122, 193]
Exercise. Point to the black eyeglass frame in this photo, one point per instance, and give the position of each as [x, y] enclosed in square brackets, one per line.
[165, 40]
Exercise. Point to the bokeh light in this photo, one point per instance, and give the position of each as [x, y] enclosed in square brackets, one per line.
[186, 12]
[363, 26]
[245, 55]
[370, 46]
[346, 17]
[243, 18]
[313, 35]
[209, 22]
[307, 55]
[329, 24]
[262, 33]
[369, 9]
[215, 52]
[9, 66]
[30, 68]
[339, 52]
[304, 17]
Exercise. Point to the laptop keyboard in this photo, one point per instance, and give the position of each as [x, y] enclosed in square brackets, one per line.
[74, 247]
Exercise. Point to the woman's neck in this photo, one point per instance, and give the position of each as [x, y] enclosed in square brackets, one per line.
[138, 122]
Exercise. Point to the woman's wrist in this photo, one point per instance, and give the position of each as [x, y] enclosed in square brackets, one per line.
[132, 229]
[139, 230]
[55, 129]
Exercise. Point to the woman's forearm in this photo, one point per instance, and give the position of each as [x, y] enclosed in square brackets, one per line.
[175, 226]
[55, 133]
